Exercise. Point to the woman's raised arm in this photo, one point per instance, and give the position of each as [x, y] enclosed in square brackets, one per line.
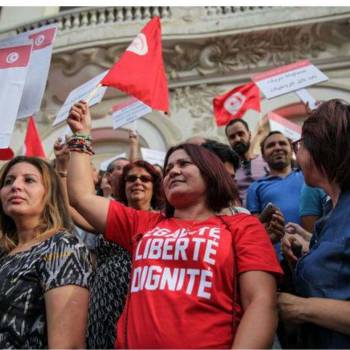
[79, 180]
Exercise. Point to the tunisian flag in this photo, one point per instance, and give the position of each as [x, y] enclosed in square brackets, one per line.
[236, 102]
[14, 61]
[32, 142]
[140, 70]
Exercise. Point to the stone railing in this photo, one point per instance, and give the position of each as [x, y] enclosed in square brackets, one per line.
[229, 10]
[93, 16]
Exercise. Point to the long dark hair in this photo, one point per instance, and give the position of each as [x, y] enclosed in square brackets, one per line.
[221, 188]
[156, 201]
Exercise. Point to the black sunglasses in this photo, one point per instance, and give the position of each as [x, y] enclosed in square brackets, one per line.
[143, 178]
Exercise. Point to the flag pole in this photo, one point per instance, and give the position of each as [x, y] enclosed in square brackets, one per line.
[93, 93]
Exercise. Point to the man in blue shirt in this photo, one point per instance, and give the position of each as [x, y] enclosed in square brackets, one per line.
[283, 186]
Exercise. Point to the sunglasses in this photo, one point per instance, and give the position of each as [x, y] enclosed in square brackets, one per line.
[143, 178]
[296, 145]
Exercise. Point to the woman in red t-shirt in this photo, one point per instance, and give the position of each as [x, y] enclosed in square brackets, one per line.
[199, 280]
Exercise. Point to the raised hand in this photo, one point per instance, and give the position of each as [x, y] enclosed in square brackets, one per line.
[79, 119]
[61, 154]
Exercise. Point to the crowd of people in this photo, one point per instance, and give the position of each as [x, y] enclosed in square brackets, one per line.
[217, 248]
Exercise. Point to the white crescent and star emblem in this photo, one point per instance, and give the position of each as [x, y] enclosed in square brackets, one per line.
[234, 103]
[39, 40]
[139, 45]
[12, 57]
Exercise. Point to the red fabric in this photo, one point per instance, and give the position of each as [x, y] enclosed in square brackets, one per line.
[43, 38]
[14, 57]
[182, 281]
[236, 102]
[140, 70]
[6, 153]
[32, 142]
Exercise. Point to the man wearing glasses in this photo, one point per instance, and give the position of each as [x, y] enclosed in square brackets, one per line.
[114, 172]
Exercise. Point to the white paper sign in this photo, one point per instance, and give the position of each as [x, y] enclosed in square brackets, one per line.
[307, 98]
[105, 163]
[287, 128]
[127, 112]
[291, 77]
[14, 62]
[34, 88]
[82, 92]
[153, 156]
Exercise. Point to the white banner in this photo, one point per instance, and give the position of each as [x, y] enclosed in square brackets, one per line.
[307, 98]
[105, 163]
[129, 111]
[153, 156]
[285, 79]
[82, 92]
[38, 70]
[14, 63]
[286, 127]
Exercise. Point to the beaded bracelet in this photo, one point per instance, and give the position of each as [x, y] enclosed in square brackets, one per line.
[80, 143]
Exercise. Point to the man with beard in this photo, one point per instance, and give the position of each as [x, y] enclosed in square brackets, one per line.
[282, 186]
[252, 167]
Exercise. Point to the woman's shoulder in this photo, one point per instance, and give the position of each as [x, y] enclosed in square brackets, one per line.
[64, 235]
[63, 238]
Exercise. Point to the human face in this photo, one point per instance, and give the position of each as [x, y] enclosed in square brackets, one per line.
[230, 169]
[183, 183]
[277, 152]
[23, 192]
[139, 188]
[312, 175]
[239, 138]
[114, 175]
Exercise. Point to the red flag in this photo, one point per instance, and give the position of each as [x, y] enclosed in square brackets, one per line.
[140, 70]
[236, 102]
[6, 153]
[32, 143]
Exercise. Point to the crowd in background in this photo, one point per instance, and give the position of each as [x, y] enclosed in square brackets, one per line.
[216, 248]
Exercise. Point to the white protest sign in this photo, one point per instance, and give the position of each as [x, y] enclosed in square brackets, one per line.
[38, 70]
[307, 98]
[285, 79]
[14, 62]
[82, 92]
[105, 163]
[287, 128]
[67, 132]
[153, 156]
[128, 111]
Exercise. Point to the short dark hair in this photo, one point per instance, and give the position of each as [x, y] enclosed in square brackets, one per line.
[234, 121]
[221, 188]
[326, 135]
[156, 201]
[111, 165]
[224, 152]
[262, 143]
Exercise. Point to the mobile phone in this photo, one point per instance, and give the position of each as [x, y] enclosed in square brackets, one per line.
[267, 212]
[297, 249]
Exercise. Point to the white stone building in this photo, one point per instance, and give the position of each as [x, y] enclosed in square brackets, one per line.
[207, 51]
